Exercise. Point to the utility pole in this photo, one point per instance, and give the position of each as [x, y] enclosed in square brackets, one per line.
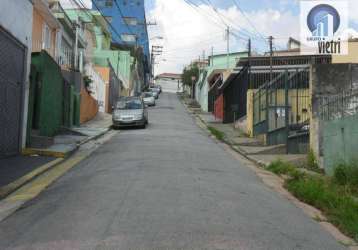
[212, 56]
[271, 56]
[228, 46]
[156, 51]
[249, 57]
[271, 78]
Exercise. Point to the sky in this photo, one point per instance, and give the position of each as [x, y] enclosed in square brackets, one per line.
[192, 31]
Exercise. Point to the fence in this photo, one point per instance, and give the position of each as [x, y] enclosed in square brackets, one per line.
[338, 106]
[339, 116]
[281, 109]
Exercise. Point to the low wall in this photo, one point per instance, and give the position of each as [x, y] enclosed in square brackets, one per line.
[327, 80]
[340, 142]
[89, 107]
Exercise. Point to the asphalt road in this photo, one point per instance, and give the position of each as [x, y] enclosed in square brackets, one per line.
[167, 187]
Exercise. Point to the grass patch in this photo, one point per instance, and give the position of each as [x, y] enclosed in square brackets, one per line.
[336, 204]
[330, 195]
[217, 133]
[347, 175]
[282, 168]
[312, 163]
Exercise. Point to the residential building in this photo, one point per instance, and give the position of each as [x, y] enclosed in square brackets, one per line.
[46, 30]
[351, 57]
[215, 63]
[16, 43]
[129, 21]
[129, 32]
[71, 40]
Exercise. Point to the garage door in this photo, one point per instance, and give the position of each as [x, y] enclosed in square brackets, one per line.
[12, 56]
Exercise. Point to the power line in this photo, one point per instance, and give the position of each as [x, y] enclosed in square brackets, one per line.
[247, 19]
[193, 5]
[223, 24]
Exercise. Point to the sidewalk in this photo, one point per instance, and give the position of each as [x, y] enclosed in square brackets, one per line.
[252, 148]
[70, 139]
[18, 170]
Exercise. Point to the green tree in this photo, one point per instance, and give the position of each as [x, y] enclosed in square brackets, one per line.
[189, 72]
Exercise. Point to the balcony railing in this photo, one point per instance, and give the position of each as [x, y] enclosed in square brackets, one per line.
[64, 56]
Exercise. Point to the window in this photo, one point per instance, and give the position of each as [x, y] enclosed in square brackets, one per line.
[104, 3]
[130, 20]
[128, 38]
[46, 37]
[109, 3]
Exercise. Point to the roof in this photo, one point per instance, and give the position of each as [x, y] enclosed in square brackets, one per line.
[169, 75]
[230, 54]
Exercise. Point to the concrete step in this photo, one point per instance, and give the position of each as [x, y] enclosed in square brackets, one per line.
[262, 150]
[38, 141]
[265, 160]
[246, 141]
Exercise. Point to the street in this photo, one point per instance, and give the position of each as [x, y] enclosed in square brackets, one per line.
[169, 186]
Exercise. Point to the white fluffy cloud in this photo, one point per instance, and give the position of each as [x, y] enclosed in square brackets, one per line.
[188, 32]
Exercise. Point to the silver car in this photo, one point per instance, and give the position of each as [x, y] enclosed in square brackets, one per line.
[130, 111]
[148, 99]
[155, 92]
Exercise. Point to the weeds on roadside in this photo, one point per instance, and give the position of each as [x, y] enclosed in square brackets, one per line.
[217, 133]
[282, 168]
[327, 194]
[312, 163]
[347, 175]
[338, 206]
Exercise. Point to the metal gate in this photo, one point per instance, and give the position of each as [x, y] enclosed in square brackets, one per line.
[12, 59]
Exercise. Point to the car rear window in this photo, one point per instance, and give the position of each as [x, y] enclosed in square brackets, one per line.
[130, 104]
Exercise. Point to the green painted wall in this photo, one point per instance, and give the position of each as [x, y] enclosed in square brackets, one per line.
[48, 95]
[220, 61]
[121, 61]
[340, 142]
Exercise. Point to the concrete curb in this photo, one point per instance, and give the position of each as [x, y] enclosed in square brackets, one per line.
[13, 186]
[51, 153]
[61, 157]
[60, 154]
[95, 137]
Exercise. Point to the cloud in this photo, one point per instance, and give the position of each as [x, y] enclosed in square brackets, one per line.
[188, 31]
